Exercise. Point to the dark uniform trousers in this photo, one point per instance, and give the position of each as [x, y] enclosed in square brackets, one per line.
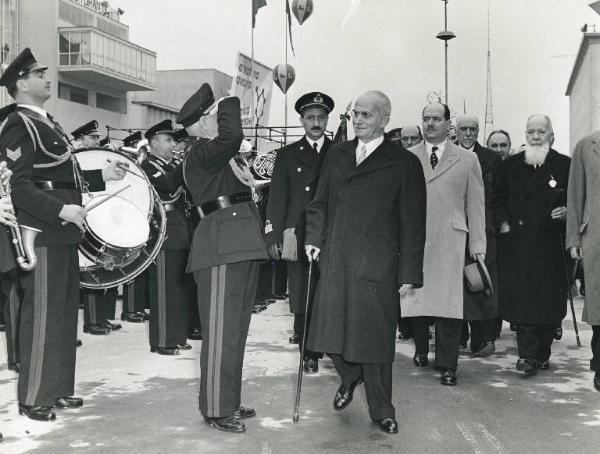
[11, 303]
[298, 283]
[48, 330]
[169, 295]
[378, 384]
[535, 341]
[226, 296]
[595, 361]
[482, 331]
[447, 339]
[98, 305]
[135, 294]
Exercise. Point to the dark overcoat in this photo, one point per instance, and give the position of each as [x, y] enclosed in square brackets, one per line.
[293, 184]
[479, 306]
[369, 222]
[533, 284]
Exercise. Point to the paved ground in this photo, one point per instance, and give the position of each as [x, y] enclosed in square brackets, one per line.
[138, 402]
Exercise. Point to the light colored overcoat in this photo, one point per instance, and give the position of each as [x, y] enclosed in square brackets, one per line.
[583, 218]
[455, 207]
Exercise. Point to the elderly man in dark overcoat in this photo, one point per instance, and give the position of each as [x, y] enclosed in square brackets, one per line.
[367, 223]
[531, 211]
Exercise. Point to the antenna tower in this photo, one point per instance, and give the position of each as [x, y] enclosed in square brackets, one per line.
[489, 108]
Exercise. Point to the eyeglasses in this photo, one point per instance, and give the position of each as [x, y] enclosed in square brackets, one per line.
[531, 132]
[361, 115]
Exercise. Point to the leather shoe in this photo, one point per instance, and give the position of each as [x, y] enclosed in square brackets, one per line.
[96, 330]
[68, 402]
[164, 350]
[526, 365]
[388, 425]
[543, 365]
[597, 381]
[344, 396]
[421, 360]
[448, 378]
[195, 333]
[14, 367]
[185, 346]
[38, 413]
[558, 333]
[78, 343]
[132, 317]
[244, 412]
[293, 339]
[487, 349]
[112, 326]
[227, 424]
[404, 335]
[311, 366]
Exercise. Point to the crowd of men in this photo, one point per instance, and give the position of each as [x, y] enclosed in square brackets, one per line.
[398, 230]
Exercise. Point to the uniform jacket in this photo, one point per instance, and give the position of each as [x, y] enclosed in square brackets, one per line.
[232, 234]
[167, 179]
[583, 219]
[479, 306]
[455, 218]
[292, 187]
[7, 256]
[369, 222]
[533, 286]
[41, 152]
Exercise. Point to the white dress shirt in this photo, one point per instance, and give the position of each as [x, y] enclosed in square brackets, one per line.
[370, 146]
[319, 143]
[441, 147]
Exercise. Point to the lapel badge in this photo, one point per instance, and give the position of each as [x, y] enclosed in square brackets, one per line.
[552, 182]
[299, 169]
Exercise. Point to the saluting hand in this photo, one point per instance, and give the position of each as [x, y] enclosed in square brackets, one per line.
[73, 214]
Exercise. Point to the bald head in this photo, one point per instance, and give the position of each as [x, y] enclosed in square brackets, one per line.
[370, 115]
[410, 136]
[467, 130]
[539, 130]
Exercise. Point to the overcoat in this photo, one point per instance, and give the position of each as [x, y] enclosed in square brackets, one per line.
[532, 254]
[232, 234]
[479, 306]
[583, 219]
[455, 208]
[293, 184]
[369, 221]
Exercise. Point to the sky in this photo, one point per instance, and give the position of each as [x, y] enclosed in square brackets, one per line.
[350, 46]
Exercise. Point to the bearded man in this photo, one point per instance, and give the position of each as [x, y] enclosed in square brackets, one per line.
[531, 211]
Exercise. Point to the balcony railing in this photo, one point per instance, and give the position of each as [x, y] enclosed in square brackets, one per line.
[90, 53]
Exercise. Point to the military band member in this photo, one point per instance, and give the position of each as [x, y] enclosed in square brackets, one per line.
[293, 185]
[46, 192]
[226, 250]
[98, 305]
[169, 285]
[9, 298]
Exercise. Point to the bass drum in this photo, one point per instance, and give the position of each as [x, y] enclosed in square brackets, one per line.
[124, 235]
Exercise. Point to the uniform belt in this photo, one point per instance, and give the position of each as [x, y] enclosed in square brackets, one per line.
[224, 201]
[52, 185]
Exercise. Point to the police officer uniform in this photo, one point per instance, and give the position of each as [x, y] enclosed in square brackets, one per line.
[98, 305]
[227, 247]
[169, 287]
[293, 184]
[45, 178]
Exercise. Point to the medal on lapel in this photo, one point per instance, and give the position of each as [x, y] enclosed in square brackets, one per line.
[552, 182]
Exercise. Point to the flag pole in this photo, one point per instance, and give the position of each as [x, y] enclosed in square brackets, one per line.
[252, 113]
[285, 122]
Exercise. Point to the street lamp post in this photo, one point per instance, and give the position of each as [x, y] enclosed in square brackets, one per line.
[445, 35]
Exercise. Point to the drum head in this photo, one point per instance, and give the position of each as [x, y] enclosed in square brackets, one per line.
[118, 222]
[140, 192]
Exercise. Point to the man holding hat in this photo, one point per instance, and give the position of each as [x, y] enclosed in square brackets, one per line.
[293, 185]
[168, 284]
[227, 248]
[98, 305]
[46, 192]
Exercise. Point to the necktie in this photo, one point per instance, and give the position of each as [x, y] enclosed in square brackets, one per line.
[361, 153]
[433, 158]
[316, 147]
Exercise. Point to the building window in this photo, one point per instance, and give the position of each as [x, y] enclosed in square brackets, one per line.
[111, 103]
[73, 93]
[9, 45]
[76, 16]
[74, 49]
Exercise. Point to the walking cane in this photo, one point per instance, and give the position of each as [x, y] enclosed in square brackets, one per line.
[569, 283]
[303, 347]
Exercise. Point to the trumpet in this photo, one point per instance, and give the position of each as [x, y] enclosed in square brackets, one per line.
[140, 151]
[23, 242]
